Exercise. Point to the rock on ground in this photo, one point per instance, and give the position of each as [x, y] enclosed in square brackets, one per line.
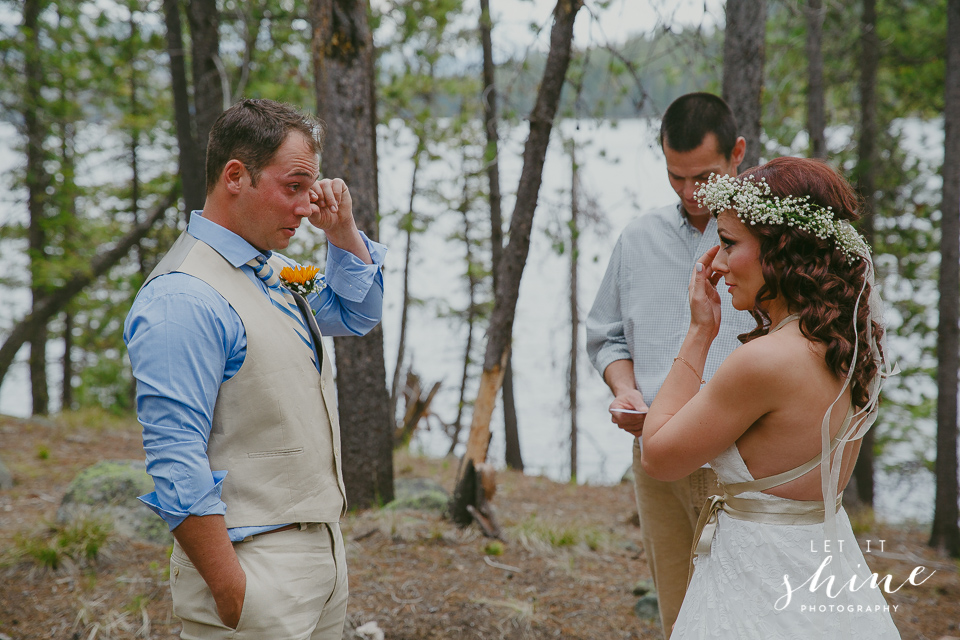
[109, 490]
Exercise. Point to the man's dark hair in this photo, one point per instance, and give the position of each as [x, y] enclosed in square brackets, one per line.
[251, 131]
[689, 119]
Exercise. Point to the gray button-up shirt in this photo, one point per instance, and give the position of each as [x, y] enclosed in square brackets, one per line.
[642, 311]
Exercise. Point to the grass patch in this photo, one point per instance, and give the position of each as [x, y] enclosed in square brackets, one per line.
[98, 419]
[79, 541]
[558, 536]
[494, 548]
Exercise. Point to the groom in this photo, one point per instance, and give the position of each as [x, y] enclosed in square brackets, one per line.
[641, 315]
[235, 391]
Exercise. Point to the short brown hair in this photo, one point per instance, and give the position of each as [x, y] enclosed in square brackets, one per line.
[251, 131]
[689, 119]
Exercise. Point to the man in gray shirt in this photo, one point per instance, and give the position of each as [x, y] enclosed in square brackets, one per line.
[641, 314]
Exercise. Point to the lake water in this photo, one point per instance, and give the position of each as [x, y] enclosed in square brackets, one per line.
[622, 171]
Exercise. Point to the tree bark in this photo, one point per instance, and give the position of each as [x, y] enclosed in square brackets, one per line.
[574, 310]
[743, 58]
[945, 534]
[866, 184]
[407, 254]
[344, 79]
[191, 161]
[521, 222]
[54, 301]
[511, 428]
[816, 103]
[204, 20]
[37, 181]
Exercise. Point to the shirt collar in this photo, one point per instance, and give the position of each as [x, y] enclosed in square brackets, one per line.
[232, 247]
[682, 221]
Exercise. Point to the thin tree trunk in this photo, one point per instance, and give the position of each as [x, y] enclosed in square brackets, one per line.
[473, 282]
[344, 80]
[863, 471]
[37, 181]
[521, 222]
[66, 386]
[191, 161]
[134, 168]
[513, 457]
[54, 301]
[816, 102]
[408, 251]
[743, 58]
[574, 309]
[208, 95]
[945, 534]
[68, 193]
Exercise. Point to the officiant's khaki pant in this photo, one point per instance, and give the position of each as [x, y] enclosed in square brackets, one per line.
[296, 588]
[668, 518]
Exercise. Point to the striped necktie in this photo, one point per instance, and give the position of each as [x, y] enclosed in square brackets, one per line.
[283, 300]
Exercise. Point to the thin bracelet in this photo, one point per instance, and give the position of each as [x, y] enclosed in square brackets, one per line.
[702, 381]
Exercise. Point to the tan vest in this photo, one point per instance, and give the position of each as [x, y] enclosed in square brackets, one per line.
[275, 427]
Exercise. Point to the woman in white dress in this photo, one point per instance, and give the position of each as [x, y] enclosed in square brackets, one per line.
[788, 407]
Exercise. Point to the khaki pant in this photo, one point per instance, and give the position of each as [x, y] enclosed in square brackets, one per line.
[296, 588]
[668, 518]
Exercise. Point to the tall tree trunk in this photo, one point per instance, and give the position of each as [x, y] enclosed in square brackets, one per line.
[208, 94]
[574, 309]
[66, 386]
[37, 181]
[473, 283]
[343, 71]
[743, 58]
[945, 534]
[191, 161]
[491, 156]
[816, 103]
[134, 166]
[866, 183]
[521, 222]
[68, 196]
[407, 254]
[56, 300]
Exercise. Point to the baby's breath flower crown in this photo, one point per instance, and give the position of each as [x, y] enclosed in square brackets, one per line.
[754, 204]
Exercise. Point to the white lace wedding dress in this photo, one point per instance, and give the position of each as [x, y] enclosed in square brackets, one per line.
[738, 590]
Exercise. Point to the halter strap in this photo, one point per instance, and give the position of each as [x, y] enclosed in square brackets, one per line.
[762, 484]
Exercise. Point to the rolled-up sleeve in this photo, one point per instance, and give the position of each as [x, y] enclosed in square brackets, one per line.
[606, 341]
[179, 337]
[351, 303]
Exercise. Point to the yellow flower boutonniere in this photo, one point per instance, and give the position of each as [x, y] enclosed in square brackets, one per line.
[302, 279]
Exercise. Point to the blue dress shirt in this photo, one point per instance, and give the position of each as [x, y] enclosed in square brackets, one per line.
[185, 340]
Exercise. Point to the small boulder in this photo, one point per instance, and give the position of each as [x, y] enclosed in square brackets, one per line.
[643, 587]
[647, 607]
[109, 490]
[6, 478]
[418, 493]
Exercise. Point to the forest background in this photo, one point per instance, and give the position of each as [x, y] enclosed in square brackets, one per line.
[104, 105]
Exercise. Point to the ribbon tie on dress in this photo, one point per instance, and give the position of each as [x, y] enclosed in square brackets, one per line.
[793, 512]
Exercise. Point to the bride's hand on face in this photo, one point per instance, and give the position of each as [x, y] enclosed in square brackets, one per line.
[704, 299]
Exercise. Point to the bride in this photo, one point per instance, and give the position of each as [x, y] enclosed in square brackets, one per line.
[781, 420]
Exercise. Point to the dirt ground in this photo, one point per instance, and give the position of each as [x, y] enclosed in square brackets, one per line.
[567, 567]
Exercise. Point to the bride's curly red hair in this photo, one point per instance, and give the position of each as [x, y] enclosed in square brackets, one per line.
[815, 278]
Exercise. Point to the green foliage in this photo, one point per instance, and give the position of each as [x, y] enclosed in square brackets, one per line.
[493, 548]
[909, 92]
[79, 541]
